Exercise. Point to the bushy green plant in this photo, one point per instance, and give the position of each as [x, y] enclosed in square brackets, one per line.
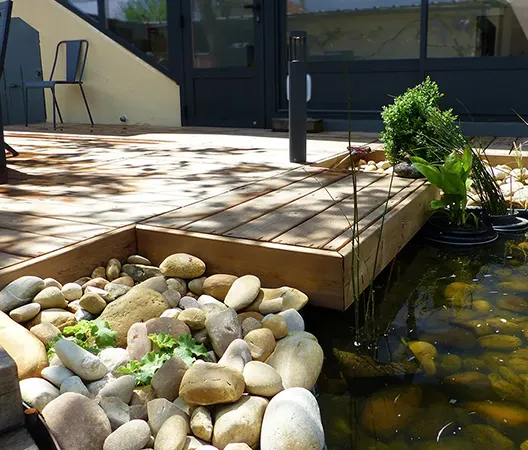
[407, 122]
[165, 347]
[453, 179]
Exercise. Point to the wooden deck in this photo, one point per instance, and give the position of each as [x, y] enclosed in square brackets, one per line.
[225, 196]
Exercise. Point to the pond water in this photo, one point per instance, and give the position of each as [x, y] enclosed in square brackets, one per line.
[464, 315]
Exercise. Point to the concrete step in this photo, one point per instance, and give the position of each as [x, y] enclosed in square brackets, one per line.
[312, 125]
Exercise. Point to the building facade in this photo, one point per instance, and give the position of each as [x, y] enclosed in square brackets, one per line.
[228, 58]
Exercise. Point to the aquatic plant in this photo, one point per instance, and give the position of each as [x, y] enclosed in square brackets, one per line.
[447, 138]
[453, 179]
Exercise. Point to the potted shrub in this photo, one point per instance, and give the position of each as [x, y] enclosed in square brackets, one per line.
[407, 122]
[448, 138]
[452, 222]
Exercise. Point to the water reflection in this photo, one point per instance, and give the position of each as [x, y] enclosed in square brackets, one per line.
[448, 363]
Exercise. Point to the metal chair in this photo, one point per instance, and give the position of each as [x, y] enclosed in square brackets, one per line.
[76, 53]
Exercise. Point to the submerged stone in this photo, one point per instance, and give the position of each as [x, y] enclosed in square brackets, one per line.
[389, 411]
[500, 342]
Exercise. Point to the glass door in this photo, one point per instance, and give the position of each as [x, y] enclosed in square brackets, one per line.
[224, 70]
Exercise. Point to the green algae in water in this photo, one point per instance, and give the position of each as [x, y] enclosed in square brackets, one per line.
[472, 306]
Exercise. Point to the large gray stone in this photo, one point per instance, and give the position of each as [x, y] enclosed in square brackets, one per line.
[121, 387]
[37, 392]
[86, 426]
[167, 379]
[223, 328]
[20, 292]
[156, 283]
[56, 374]
[80, 361]
[240, 422]
[133, 435]
[292, 421]
[294, 320]
[74, 384]
[25, 312]
[117, 411]
[114, 357]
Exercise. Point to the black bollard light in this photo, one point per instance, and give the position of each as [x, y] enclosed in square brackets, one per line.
[297, 96]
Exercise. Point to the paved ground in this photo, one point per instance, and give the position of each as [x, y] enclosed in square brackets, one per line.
[68, 186]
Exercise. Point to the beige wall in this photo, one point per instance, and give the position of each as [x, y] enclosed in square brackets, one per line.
[116, 82]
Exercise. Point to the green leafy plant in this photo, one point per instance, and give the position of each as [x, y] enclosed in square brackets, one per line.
[92, 335]
[407, 122]
[445, 138]
[453, 179]
[166, 346]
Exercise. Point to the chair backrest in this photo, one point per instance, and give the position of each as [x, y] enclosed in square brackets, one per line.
[76, 53]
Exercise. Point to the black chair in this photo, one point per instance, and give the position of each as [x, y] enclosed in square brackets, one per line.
[76, 53]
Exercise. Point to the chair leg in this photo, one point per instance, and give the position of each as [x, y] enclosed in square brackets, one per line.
[54, 110]
[86, 104]
[26, 112]
[58, 109]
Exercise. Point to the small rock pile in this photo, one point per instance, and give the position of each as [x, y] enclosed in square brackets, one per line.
[372, 166]
[513, 183]
[252, 390]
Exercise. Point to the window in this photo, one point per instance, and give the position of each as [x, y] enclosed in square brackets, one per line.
[357, 29]
[89, 7]
[143, 23]
[222, 34]
[471, 28]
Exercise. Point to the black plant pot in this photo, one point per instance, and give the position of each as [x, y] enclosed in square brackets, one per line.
[509, 223]
[407, 170]
[440, 231]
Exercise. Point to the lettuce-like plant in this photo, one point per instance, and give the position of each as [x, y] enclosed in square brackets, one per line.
[453, 179]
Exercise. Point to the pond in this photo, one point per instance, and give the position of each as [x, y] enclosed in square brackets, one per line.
[469, 393]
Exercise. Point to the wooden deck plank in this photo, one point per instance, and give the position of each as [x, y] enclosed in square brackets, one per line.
[48, 226]
[213, 205]
[481, 142]
[76, 260]
[345, 237]
[224, 221]
[522, 143]
[502, 143]
[22, 243]
[7, 259]
[274, 223]
[330, 223]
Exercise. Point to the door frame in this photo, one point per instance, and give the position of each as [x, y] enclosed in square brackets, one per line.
[264, 65]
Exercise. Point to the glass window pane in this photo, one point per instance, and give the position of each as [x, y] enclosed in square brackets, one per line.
[87, 7]
[222, 33]
[357, 29]
[465, 28]
[143, 23]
